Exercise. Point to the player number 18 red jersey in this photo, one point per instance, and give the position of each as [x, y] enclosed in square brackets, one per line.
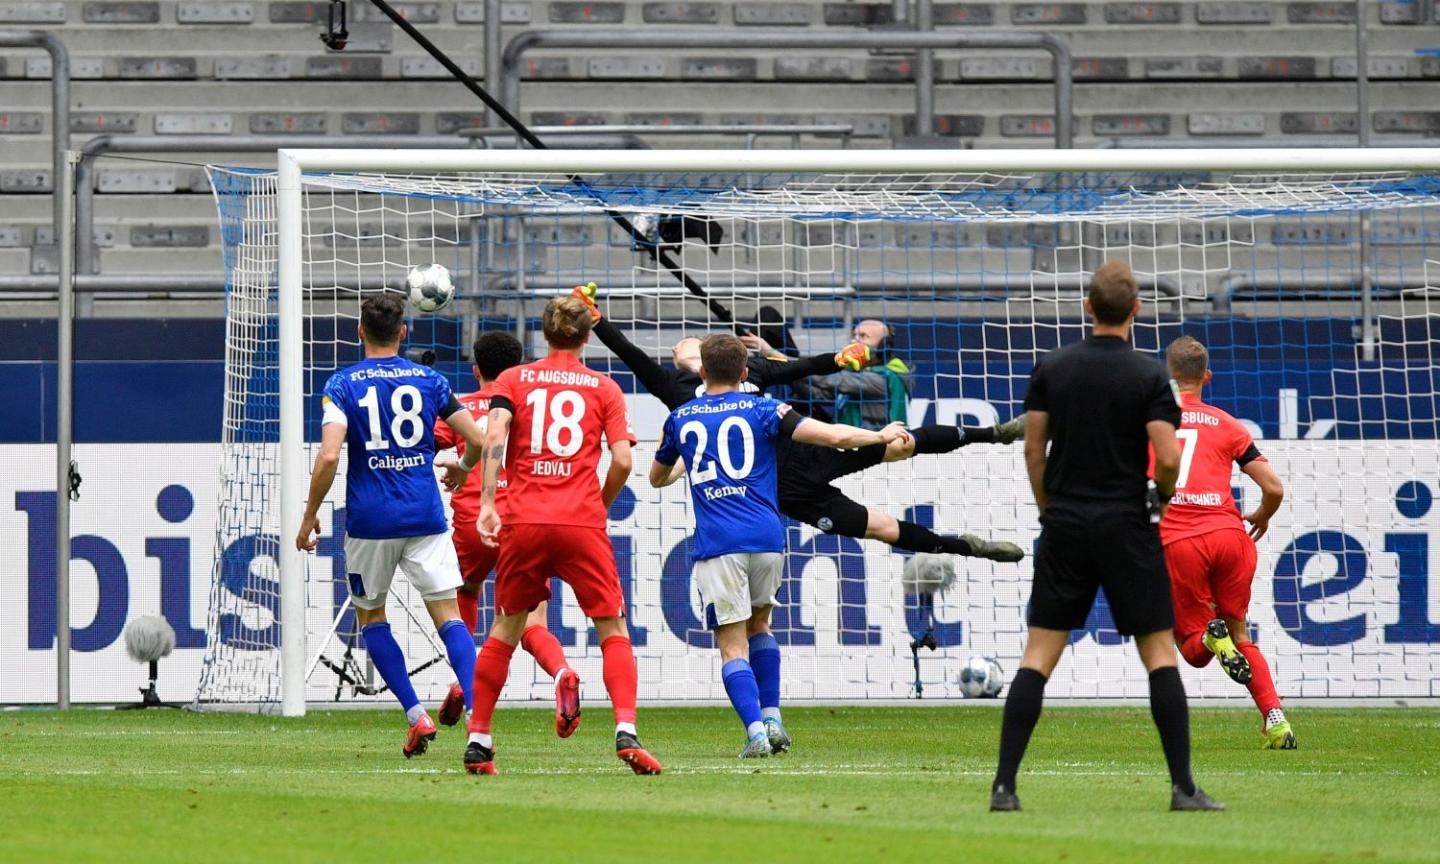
[562, 410]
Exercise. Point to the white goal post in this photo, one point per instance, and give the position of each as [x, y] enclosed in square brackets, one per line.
[847, 190]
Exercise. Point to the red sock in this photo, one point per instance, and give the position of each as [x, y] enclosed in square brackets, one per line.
[1194, 651]
[469, 609]
[1262, 686]
[621, 677]
[545, 648]
[492, 667]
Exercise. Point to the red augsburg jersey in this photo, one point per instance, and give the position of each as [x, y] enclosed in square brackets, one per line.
[561, 410]
[1211, 444]
[466, 502]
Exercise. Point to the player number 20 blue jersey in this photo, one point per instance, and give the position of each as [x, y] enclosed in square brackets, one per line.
[389, 406]
[728, 444]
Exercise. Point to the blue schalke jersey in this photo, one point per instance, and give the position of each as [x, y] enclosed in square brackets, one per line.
[728, 443]
[389, 406]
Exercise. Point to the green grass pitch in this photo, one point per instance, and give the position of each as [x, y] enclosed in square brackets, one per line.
[864, 784]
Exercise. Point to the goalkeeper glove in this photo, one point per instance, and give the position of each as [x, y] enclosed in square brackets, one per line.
[854, 357]
[587, 293]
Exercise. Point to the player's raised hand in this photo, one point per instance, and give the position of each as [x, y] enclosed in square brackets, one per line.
[588, 292]
[1258, 526]
[309, 536]
[488, 526]
[454, 477]
[855, 356]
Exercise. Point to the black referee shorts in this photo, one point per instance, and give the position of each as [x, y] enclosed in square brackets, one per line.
[806, 495]
[1094, 544]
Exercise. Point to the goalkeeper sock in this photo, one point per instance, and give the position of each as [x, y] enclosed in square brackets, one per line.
[917, 538]
[492, 667]
[389, 661]
[939, 439]
[621, 677]
[545, 648]
[469, 608]
[744, 694]
[460, 649]
[765, 661]
[1172, 717]
[1022, 712]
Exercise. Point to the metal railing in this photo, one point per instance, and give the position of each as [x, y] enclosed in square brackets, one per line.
[1057, 47]
[752, 132]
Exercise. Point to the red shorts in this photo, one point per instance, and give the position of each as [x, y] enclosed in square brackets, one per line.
[1210, 577]
[476, 559]
[582, 557]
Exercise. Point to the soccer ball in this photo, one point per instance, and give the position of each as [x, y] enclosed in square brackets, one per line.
[430, 287]
[981, 678]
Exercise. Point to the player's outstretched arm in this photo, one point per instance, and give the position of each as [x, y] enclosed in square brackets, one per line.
[838, 437]
[332, 438]
[621, 462]
[1272, 493]
[656, 379]
[1037, 436]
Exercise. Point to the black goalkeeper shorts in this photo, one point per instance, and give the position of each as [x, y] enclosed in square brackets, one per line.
[1084, 547]
[803, 480]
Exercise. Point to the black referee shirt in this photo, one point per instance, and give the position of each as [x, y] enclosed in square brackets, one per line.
[1099, 394]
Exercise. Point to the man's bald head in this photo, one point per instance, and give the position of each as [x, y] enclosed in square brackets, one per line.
[1113, 293]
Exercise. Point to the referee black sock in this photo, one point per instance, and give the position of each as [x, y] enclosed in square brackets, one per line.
[1172, 718]
[1022, 711]
[918, 538]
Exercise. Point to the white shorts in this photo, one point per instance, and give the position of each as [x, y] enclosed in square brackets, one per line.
[429, 563]
[732, 586]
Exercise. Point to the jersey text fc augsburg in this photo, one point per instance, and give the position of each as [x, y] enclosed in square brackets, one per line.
[561, 410]
[389, 406]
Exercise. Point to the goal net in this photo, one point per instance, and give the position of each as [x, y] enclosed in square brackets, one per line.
[1314, 292]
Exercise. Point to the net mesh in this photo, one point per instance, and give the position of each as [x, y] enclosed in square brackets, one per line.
[975, 276]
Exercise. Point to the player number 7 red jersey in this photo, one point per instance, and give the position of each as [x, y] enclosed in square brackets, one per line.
[1211, 444]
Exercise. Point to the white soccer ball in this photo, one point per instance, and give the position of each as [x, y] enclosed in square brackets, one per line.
[981, 678]
[927, 573]
[430, 287]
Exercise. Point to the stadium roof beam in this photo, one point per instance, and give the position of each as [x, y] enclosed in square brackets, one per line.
[1057, 47]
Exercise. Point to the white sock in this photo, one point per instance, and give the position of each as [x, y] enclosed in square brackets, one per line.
[756, 728]
[483, 739]
[414, 713]
[560, 673]
[771, 713]
[624, 727]
[1275, 716]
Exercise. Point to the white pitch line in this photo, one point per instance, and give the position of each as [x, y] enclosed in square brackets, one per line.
[939, 774]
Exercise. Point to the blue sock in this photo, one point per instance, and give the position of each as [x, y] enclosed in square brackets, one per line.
[460, 646]
[765, 660]
[744, 695]
[385, 653]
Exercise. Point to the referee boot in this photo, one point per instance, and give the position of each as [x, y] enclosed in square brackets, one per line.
[1003, 800]
[1217, 639]
[1197, 801]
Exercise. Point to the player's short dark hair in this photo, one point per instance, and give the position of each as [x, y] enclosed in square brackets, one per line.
[382, 316]
[566, 322]
[722, 357]
[494, 352]
[1187, 360]
[1113, 292]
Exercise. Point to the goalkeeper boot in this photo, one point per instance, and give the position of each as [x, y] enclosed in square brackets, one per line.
[453, 708]
[628, 749]
[1217, 639]
[1278, 734]
[1198, 801]
[479, 759]
[1010, 431]
[422, 732]
[758, 747]
[1000, 550]
[1003, 800]
[567, 703]
[776, 734]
